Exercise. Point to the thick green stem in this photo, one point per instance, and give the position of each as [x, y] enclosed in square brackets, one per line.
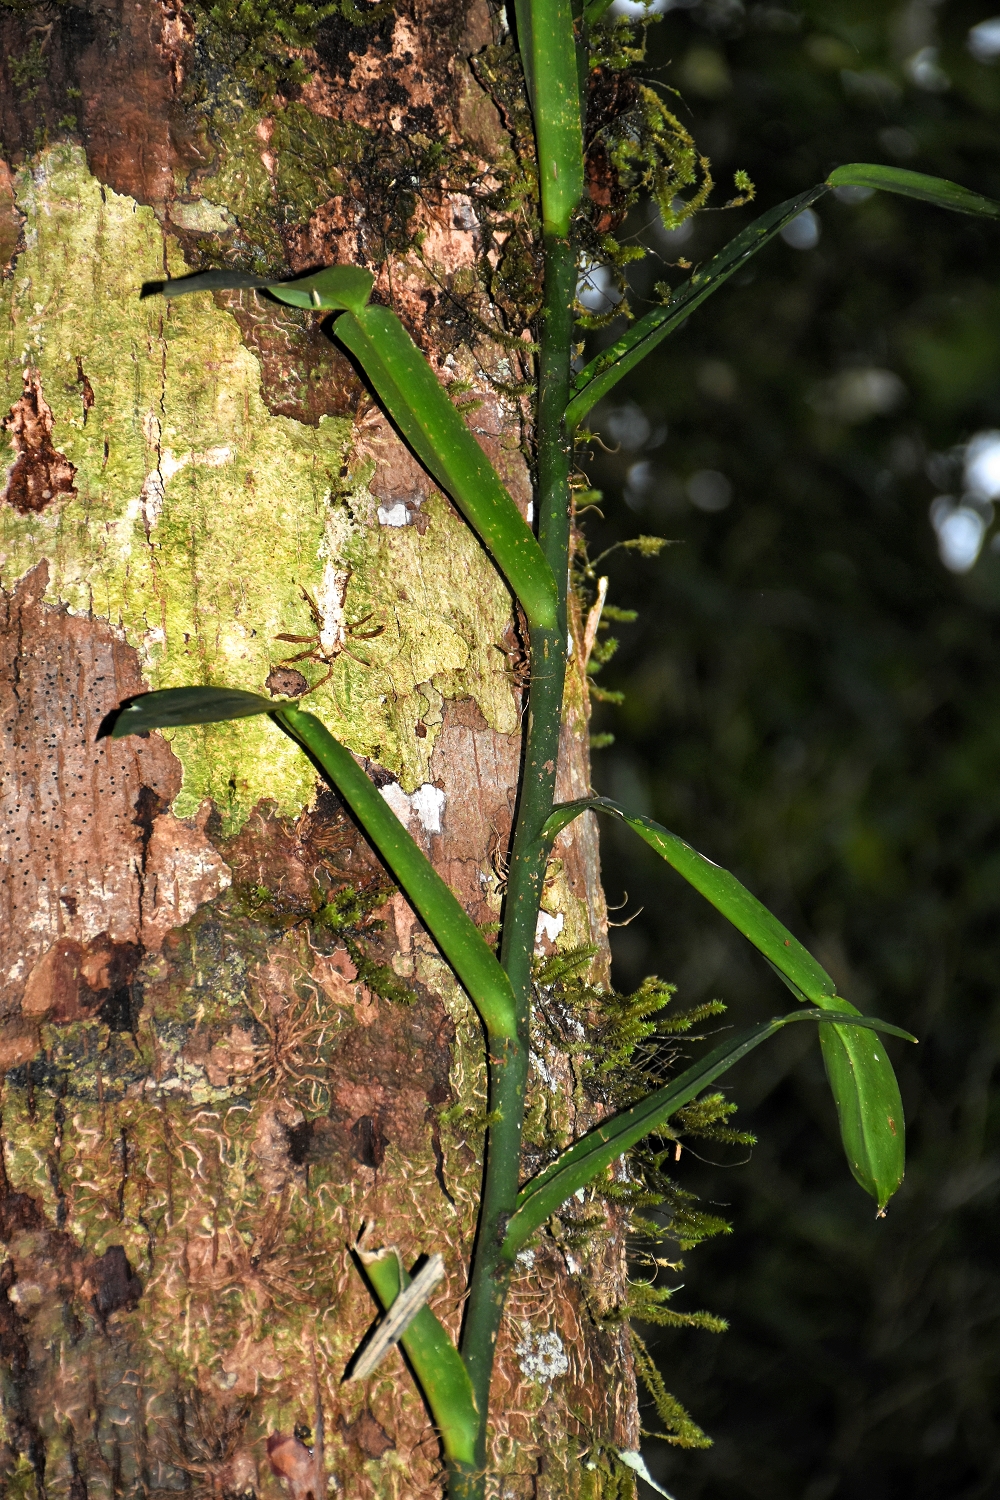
[508, 1062]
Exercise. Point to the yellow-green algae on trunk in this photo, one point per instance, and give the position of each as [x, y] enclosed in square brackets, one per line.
[200, 516]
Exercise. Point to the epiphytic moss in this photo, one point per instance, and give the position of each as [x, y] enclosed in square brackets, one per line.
[199, 516]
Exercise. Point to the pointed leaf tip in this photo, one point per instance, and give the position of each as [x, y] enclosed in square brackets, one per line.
[172, 707]
[936, 190]
[334, 289]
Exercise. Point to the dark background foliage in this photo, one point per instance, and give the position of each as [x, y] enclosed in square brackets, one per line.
[812, 700]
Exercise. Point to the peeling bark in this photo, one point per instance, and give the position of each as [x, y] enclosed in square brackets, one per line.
[39, 475]
[214, 1073]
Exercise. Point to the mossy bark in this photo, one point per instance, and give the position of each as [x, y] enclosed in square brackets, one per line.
[226, 1043]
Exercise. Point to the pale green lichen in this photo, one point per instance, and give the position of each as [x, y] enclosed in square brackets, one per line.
[200, 516]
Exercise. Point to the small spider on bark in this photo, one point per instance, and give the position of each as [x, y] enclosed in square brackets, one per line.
[332, 631]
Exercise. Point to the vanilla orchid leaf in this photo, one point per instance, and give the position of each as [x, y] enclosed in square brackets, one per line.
[581, 1162]
[422, 410]
[171, 707]
[332, 289]
[936, 190]
[605, 371]
[449, 923]
[436, 1362]
[861, 1078]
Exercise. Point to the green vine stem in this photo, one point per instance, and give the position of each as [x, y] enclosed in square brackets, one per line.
[560, 163]
[508, 1064]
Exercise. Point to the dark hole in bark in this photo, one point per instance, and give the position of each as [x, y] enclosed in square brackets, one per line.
[337, 38]
[369, 1142]
[117, 1284]
[120, 1011]
[299, 1138]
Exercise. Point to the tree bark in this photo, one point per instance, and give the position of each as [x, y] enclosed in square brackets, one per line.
[227, 1043]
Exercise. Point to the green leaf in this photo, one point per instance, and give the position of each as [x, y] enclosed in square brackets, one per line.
[187, 705]
[869, 1108]
[436, 1362]
[936, 190]
[588, 1156]
[448, 922]
[597, 378]
[864, 1085]
[332, 289]
[418, 404]
[604, 372]
[522, 16]
[727, 895]
[594, 10]
[450, 925]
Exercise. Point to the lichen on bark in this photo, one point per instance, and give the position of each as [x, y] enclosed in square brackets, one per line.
[199, 516]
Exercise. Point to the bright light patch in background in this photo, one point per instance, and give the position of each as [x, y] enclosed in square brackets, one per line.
[597, 289]
[638, 483]
[709, 490]
[923, 70]
[635, 10]
[803, 232]
[960, 531]
[856, 395]
[961, 525]
[628, 426]
[984, 40]
[982, 465]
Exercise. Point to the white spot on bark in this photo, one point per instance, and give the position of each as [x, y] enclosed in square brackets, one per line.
[541, 1356]
[398, 801]
[428, 804]
[549, 925]
[394, 515]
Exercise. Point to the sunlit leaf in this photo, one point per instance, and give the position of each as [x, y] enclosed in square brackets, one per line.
[436, 1362]
[419, 405]
[575, 1167]
[861, 1078]
[936, 190]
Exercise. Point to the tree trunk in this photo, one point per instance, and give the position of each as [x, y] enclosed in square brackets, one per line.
[228, 1044]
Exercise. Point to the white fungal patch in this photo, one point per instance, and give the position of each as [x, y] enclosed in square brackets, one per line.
[541, 1356]
[393, 515]
[398, 801]
[428, 804]
[549, 925]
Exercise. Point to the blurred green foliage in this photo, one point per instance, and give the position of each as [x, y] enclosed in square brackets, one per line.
[812, 699]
